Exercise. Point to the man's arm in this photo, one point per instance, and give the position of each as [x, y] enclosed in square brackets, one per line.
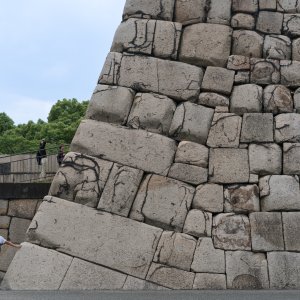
[12, 244]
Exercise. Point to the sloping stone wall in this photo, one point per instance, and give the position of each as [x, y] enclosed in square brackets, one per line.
[184, 174]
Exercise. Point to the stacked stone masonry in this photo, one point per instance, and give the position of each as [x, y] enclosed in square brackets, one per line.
[185, 172]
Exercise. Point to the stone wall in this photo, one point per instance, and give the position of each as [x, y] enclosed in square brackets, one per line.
[184, 174]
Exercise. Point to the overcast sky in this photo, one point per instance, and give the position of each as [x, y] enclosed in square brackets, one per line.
[50, 50]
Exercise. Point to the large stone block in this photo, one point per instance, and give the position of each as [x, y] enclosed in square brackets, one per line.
[229, 165]
[288, 6]
[111, 70]
[291, 158]
[243, 21]
[190, 11]
[290, 73]
[198, 223]
[268, 4]
[266, 231]
[291, 25]
[17, 229]
[249, 6]
[22, 208]
[191, 122]
[135, 148]
[264, 71]
[269, 22]
[246, 270]
[133, 283]
[231, 232]
[277, 47]
[207, 281]
[219, 12]
[279, 192]
[238, 63]
[213, 100]
[152, 112]
[36, 268]
[287, 128]
[291, 228]
[296, 49]
[109, 240]
[206, 44]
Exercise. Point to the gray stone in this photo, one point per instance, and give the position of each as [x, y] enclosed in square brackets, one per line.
[284, 269]
[246, 98]
[225, 131]
[288, 6]
[291, 228]
[279, 192]
[17, 229]
[125, 245]
[254, 178]
[266, 231]
[135, 148]
[268, 4]
[218, 80]
[188, 173]
[6, 256]
[229, 165]
[4, 233]
[246, 270]
[231, 232]
[242, 77]
[175, 250]
[238, 63]
[110, 104]
[198, 223]
[219, 12]
[241, 198]
[290, 73]
[297, 100]
[3, 207]
[247, 43]
[287, 128]
[83, 275]
[250, 6]
[190, 11]
[191, 122]
[22, 208]
[192, 153]
[207, 281]
[277, 99]
[152, 112]
[221, 109]
[4, 222]
[265, 159]
[264, 71]
[170, 277]
[296, 49]
[209, 197]
[120, 190]
[213, 100]
[269, 22]
[111, 70]
[156, 9]
[36, 268]
[242, 21]
[277, 47]
[206, 44]
[257, 128]
[135, 284]
[207, 259]
[291, 158]
[291, 25]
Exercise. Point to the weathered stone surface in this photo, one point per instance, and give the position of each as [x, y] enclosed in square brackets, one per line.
[6, 256]
[206, 44]
[241, 198]
[238, 62]
[110, 104]
[36, 268]
[287, 128]
[156, 9]
[290, 73]
[297, 100]
[17, 229]
[246, 270]
[152, 112]
[229, 165]
[163, 202]
[192, 153]
[191, 122]
[250, 6]
[221, 109]
[175, 250]
[136, 148]
[188, 173]
[288, 5]
[83, 275]
[218, 80]
[291, 228]
[207, 259]
[246, 98]
[291, 25]
[269, 22]
[231, 232]
[264, 71]
[279, 192]
[170, 277]
[225, 131]
[265, 159]
[198, 223]
[291, 158]
[4, 233]
[277, 47]
[207, 281]
[243, 21]
[257, 128]
[3, 207]
[4, 222]
[22, 208]
[254, 178]
[120, 190]
[111, 70]
[266, 231]
[190, 11]
[277, 99]
[81, 178]
[209, 197]
[242, 77]
[126, 245]
[213, 100]
[296, 49]
[133, 283]
[247, 43]
[284, 269]
[268, 4]
[219, 12]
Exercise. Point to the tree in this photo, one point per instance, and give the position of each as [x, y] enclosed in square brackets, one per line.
[6, 123]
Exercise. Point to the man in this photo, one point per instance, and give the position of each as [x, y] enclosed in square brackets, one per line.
[3, 241]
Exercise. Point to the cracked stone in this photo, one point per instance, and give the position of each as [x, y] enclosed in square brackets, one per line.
[291, 158]
[219, 12]
[277, 47]
[250, 6]
[243, 21]
[287, 128]
[288, 5]
[213, 100]
[264, 71]
[190, 11]
[136, 284]
[111, 69]
[269, 22]
[296, 49]
[290, 73]
[291, 25]
[238, 63]
[291, 227]
[207, 281]
[198, 223]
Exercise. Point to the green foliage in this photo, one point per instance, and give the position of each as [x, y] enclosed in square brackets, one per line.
[6, 123]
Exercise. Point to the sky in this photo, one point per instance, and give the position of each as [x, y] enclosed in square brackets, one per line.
[50, 50]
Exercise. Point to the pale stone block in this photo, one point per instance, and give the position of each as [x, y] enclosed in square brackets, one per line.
[242, 77]
[207, 259]
[231, 232]
[4, 222]
[6, 256]
[135, 284]
[110, 104]
[175, 250]
[290, 73]
[291, 228]
[296, 49]
[288, 5]
[207, 281]
[238, 63]
[190, 11]
[246, 270]
[221, 109]
[297, 100]
[209, 197]
[213, 100]
[291, 25]
[266, 231]
[291, 158]
[22, 208]
[269, 22]
[243, 21]
[135, 148]
[254, 178]
[4, 206]
[277, 47]
[268, 4]
[241, 198]
[250, 6]
[206, 44]
[287, 128]
[219, 12]
[264, 71]
[171, 277]
[198, 223]
[17, 229]
[111, 70]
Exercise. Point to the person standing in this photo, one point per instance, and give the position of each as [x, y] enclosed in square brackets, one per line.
[43, 157]
[60, 154]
